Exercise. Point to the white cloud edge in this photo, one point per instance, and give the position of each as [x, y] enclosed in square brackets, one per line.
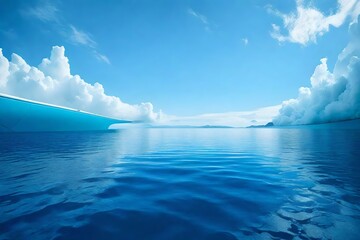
[307, 23]
[332, 95]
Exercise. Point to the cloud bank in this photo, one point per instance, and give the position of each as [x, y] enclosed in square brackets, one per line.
[307, 23]
[259, 116]
[332, 96]
[52, 82]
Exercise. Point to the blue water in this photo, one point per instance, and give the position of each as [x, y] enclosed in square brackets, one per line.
[213, 184]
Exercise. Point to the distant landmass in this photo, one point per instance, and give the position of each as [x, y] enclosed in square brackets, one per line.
[269, 124]
[345, 124]
[188, 126]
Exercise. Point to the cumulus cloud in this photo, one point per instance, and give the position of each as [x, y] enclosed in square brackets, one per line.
[52, 82]
[307, 22]
[333, 95]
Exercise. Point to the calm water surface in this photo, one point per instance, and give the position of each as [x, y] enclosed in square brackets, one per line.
[161, 184]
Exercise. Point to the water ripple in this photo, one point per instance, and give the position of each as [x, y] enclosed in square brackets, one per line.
[209, 184]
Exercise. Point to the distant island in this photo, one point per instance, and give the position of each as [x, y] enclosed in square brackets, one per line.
[188, 126]
[343, 124]
[269, 124]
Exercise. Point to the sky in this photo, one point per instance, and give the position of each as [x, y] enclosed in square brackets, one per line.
[183, 61]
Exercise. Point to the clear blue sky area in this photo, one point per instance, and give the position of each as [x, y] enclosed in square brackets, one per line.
[186, 57]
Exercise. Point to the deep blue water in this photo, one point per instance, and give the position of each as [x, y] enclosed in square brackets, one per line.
[213, 184]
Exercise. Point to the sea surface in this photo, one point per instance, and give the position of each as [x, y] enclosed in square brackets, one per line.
[181, 184]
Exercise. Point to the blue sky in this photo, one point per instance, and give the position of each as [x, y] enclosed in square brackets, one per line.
[185, 57]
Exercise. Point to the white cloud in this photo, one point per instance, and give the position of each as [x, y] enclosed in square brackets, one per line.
[200, 17]
[52, 82]
[332, 96]
[46, 12]
[308, 23]
[81, 37]
[101, 57]
[197, 15]
[4, 70]
[49, 13]
[57, 66]
[245, 41]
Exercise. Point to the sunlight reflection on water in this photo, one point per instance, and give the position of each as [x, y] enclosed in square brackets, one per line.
[181, 184]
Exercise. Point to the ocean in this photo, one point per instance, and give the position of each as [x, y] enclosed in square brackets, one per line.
[181, 184]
